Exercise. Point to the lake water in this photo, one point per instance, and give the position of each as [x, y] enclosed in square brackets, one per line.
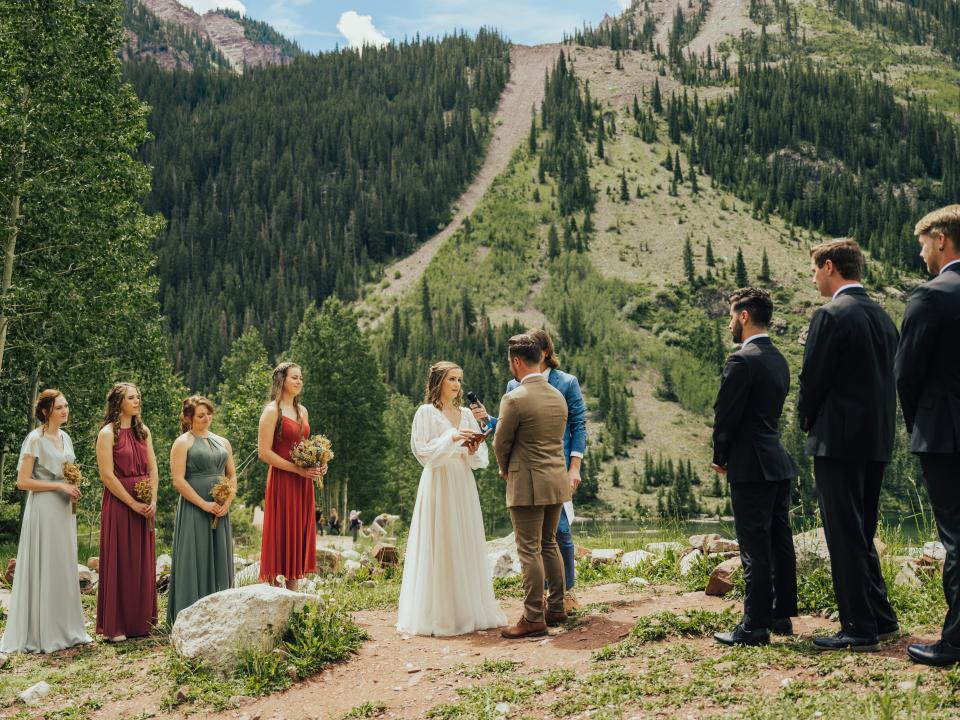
[914, 530]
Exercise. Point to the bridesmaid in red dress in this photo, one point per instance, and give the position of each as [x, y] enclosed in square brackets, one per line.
[127, 594]
[289, 523]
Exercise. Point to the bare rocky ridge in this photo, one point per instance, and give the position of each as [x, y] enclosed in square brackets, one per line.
[226, 34]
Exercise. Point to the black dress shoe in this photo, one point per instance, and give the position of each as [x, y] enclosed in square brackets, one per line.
[845, 641]
[741, 636]
[938, 653]
[888, 633]
[782, 626]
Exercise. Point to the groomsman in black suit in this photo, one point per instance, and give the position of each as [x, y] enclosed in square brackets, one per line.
[848, 405]
[928, 380]
[747, 449]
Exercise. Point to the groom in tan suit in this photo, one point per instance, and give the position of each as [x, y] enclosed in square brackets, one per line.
[529, 446]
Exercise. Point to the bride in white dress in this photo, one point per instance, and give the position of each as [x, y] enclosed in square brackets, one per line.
[447, 589]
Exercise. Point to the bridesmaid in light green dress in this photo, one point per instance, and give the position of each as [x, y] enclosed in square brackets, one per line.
[202, 555]
[45, 610]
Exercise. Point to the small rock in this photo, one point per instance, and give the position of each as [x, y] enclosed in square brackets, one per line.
[503, 708]
[292, 672]
[722, 545]
[605, 556]
[688, 561]
[370, 583]
[580, 552]
[638, 582]
[907, 685]
[93, 562]
[182, 694]
[328, 561]
[11, 569]
[88, 579]
[662, 548]
[351, 568]
[351, 554]
[3, 659]
[35, 693]
[699, 542]
[721, 579]
[786, 681]
[634, 558]
[907, 576]
[933, 553]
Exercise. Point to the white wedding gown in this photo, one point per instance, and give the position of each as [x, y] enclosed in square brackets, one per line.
[446, 587]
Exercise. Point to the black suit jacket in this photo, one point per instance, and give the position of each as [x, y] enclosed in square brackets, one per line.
[928, 365]
[746, 434]
[848, 400]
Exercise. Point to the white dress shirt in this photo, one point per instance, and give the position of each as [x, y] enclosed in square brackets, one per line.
[752, 338]
[851, 286]
[952, 262]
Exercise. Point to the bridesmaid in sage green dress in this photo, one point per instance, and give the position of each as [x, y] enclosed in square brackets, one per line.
[45, 610]
[202, 555]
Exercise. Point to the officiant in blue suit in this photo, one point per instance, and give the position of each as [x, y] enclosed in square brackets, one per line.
[574, 446]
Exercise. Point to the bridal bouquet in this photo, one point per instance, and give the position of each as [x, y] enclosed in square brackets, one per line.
[74, 476]
[223, 491]
[143, 491]
[312, 452]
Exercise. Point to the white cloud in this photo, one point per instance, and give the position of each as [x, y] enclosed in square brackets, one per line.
[534, 24]
[202, 6]
[359, 30]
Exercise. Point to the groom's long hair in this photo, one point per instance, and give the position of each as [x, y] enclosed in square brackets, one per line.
[546, 344]
[438, 373]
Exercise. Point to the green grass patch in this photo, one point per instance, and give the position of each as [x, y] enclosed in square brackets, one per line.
[366, 710]
[652, 628]
[318, 635]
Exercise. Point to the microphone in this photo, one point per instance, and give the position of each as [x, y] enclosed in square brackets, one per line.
[474, 401]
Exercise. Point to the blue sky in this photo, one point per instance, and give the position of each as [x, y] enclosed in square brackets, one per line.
[323, 24]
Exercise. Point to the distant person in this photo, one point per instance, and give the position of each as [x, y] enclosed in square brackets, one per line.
[321, 521]
[334, 522]
[355, 524]
[847, 403]
[928, 380]
[747, 449]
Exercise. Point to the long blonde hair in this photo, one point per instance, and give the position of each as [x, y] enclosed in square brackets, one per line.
[438, 373]
[276, 392]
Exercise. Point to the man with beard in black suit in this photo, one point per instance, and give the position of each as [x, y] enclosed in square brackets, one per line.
[747, 449]
[928, 380]
[847, 404]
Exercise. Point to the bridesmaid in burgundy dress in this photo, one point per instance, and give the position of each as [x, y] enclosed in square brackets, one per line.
[127, 595]
[289, 523]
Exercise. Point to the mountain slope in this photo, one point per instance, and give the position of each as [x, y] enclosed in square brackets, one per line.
[173, 35]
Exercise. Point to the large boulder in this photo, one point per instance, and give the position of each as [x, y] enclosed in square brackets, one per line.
[386, 555]
[699, 542]
[217, 627]
[634, 558]
[164, 565]
[933, 553]
[88, 579]
[721, 579]
[811, 546]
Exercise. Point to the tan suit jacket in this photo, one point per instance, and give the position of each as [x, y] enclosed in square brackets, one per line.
[528, 443]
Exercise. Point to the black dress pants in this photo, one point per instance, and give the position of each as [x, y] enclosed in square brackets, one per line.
[761, 516]
[849, 495]
[941, 474]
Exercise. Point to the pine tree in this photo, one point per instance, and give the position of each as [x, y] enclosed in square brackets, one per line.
[694, 185]
[532, 139]
[553, 243]
[688, 268]
[764, 267]
[740, 277]
[656, 101]
[425, 310]
[636, 109]
[599, 149]
[615, 478]
[710, 258]
[677, 172]
[624, 190]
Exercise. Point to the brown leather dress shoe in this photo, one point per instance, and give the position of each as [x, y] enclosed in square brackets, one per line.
[524, 629]
[555, 617]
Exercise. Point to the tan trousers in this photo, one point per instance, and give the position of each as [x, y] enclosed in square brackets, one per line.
[535, 528]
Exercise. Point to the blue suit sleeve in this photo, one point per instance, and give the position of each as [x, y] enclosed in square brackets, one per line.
[576, 417]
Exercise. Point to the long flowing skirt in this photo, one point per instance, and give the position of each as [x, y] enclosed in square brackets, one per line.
[202, 556]
[45, 610]
[447, 589]
[127, 595]
[289, 527]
